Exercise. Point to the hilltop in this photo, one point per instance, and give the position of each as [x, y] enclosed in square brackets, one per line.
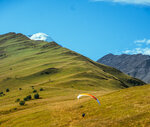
[136, 65]
[25, 62]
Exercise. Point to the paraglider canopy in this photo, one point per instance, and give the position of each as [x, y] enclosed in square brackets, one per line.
[86, 94]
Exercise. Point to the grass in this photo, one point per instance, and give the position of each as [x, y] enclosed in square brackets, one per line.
[29, 62]
[59, 107]
[63, 74]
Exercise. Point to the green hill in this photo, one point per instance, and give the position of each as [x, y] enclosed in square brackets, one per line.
[27, 66]
[24, 62]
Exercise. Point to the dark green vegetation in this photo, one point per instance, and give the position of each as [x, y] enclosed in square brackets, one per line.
[7, 90]
[22, 102]
[36, 96]
[49, 78]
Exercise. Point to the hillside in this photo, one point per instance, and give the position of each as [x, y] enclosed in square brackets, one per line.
[60, 108]
[28, 66]
[25, 62]
[137, 65]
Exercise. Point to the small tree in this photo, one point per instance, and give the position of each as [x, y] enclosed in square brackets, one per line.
[17, 100]
[41, 89]
[32, 87]
[29, 97]
[7, 90]
[25, 99]
[36, 96]
[1, 93]
[34, 91]
[22, 102]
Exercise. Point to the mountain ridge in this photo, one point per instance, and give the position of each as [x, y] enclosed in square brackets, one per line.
[136, 65]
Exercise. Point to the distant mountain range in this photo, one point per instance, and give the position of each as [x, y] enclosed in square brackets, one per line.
[137, 65]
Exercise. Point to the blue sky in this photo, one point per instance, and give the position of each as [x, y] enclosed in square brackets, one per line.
[93, 28]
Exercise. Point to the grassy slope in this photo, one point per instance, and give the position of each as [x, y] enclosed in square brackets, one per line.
[63, 74]
[60, 108]
[24, 62]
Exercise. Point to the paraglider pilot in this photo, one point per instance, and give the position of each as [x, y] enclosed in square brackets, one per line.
[83, 114]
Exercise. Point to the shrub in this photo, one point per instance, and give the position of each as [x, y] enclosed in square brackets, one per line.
[36, 96]
[7, 90]
[32, 87]
[41, 89]
[25, 99]
[22, 102]
[20, 88]
[14, 108]
[29, 97]
[34, 91]
[1, 92]
[17, 100]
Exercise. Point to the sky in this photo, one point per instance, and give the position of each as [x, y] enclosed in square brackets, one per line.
[92, 28]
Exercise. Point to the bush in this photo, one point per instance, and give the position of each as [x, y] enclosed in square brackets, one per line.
[14, 108]
[20, 88]
[1, 92]
[17, 100]
[22, 102]
[41, 89]
[7, 90]
[36, 96]
[27, 98]
[32, 87]
[34, 91]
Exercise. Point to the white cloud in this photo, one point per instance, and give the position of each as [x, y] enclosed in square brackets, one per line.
[39, 36]
[142, 47]
[142, 2]
[148, 42]
[145, 51]
[144, 41]
[140, 41]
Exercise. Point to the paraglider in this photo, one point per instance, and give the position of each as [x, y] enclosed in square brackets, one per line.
[86, 94]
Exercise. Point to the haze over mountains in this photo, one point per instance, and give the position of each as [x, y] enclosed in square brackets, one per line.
[137, 65]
